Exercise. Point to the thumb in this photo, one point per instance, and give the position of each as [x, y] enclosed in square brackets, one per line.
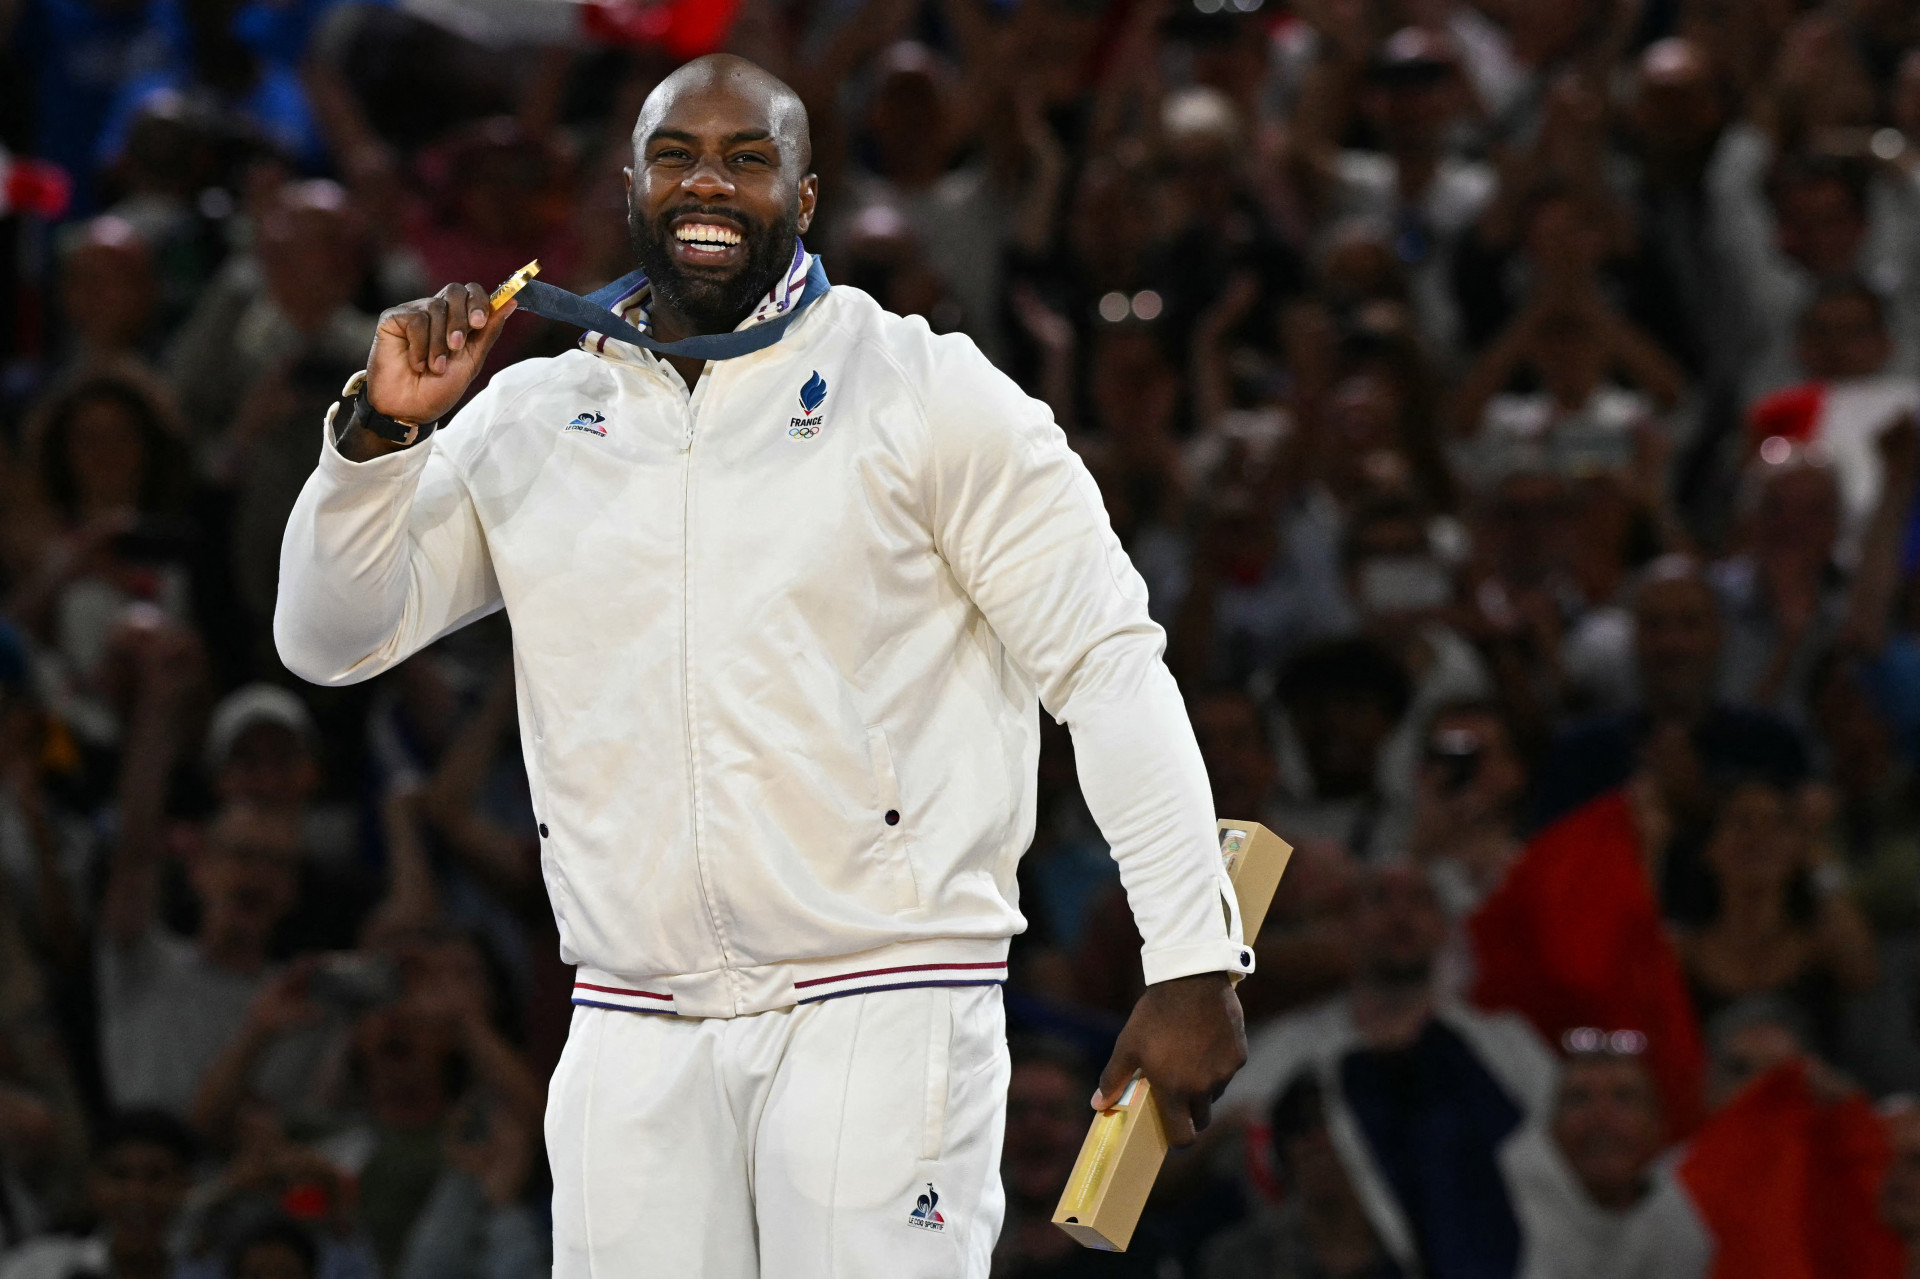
[1120, 1068]
[479, 344]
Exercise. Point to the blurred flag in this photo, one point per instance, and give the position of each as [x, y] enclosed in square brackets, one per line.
[684, 28]
[1573, 937]
[31, 186]
[1787, 1184]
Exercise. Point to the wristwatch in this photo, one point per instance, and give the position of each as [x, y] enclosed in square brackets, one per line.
[360, 412]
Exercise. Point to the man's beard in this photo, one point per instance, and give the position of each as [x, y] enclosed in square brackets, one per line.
[711, 303]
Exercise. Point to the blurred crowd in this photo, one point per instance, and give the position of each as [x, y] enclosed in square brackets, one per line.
[1510, 405]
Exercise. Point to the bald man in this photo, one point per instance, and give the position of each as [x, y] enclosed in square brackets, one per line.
[787, 576]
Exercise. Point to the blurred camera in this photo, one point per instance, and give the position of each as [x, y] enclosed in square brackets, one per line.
[1456, 752]
[354, 982]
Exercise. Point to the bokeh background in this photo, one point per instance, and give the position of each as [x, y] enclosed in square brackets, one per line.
[1510, 405]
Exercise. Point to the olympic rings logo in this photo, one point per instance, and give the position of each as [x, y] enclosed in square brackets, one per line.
[802, 432]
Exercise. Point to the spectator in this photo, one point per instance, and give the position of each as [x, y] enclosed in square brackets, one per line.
[1900, 1193]
[1679, 117]
[109, 295]
[90, 61]
[261, 752]
[1681, 732]
[1320, 1230]
[1341, 702]
[1403, 591]
[1782, 597]
[1786, 230]
[1423, 1161]
[1047, 1118]
[1873, 827]
[169, 1004]
[267, 348]
[1413, 90]
[1254, 589]
[103, 527]
[1593, 1194]
[1784, 925]
[1466, 818]
[142, 1170]
[920, 114]
[1299, 946]
[1580, 421]
[276, 1250]
[1849, 402]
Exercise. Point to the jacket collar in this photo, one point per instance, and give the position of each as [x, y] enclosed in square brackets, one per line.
[631, 297]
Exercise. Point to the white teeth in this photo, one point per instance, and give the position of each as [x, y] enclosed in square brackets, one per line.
[706, 233]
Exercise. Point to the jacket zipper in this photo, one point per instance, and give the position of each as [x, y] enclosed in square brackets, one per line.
[686, 678]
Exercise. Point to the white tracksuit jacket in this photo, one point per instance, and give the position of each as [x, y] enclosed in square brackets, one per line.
[777, 660]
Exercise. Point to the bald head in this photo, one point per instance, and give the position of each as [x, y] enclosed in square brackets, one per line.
[718, 193]
[748, 88]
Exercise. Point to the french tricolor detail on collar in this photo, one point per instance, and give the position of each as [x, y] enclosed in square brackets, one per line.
[635, 293]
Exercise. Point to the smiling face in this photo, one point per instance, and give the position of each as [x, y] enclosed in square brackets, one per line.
[718, 191]
[1607, 1123]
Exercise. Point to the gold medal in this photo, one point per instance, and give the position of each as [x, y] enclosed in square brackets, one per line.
[515, 282]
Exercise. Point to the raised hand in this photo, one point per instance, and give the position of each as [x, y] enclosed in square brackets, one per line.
[427, 352]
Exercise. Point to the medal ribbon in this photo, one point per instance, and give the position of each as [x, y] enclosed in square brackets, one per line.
[594, 314]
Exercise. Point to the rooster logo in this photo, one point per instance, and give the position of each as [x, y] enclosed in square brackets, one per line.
[925, 1213]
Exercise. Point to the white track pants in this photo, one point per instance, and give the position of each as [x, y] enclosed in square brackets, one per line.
[847, 1139]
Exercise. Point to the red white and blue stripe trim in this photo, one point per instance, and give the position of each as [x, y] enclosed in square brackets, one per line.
[621, 998]
[812, 990]
[903, 977]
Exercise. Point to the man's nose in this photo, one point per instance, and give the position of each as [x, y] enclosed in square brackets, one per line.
[708, 179]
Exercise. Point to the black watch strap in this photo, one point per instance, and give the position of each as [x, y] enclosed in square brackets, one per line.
[359, 412]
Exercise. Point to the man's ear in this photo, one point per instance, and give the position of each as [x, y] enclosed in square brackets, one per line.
[626, 171]
[809, 196]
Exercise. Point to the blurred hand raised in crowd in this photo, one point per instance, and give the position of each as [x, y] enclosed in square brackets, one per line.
[492, 1145]
[284, 1003]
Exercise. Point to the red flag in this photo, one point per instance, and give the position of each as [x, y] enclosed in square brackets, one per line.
[1573, 937]
[685, 28]
[1792, 414]
[1788, 1184]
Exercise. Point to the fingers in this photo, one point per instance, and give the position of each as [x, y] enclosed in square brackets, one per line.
[470, 322]
[1177, 1114]
[482, 341]
[405, 332]
[437, 333]
[467, 312]
[432, 332]
[1120, 1069]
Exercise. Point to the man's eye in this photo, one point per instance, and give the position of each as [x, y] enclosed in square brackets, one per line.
[672, 155]
[750, 157]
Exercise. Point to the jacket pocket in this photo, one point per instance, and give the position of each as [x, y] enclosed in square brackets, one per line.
[939, 1065]
[896, 832]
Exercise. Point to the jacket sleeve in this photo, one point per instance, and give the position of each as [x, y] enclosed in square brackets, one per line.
[381, 558]
[1018, 519]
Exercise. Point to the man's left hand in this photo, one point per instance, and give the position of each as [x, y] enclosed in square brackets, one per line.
[1187, 1036]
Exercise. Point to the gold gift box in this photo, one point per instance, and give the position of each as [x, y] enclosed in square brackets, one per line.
[1127, 1144]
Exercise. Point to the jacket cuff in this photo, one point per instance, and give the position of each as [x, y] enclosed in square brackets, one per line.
[398, 464]
[1223, 956]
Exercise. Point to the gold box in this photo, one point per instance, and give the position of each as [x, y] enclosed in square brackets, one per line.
[1127, 1144]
